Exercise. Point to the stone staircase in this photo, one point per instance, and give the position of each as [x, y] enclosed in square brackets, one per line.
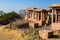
[44, 32]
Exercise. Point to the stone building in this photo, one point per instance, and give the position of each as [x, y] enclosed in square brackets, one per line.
[56, 11]
[55, 23]
[37, 17]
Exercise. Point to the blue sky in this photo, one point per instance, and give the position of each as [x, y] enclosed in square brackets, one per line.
[16, 5]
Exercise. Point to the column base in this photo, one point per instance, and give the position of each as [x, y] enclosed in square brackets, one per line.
[31, 25]
[40, 23]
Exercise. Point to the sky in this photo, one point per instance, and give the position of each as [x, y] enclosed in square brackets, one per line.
[16, 5]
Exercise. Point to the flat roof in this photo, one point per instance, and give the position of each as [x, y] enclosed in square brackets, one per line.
[55, 5]
[37, 9]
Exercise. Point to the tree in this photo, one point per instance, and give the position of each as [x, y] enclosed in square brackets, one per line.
[8, 17]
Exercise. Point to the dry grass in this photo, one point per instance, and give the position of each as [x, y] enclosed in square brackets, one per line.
[22, 34]
[11, 33]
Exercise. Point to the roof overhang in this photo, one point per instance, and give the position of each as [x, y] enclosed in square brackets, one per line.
[38, 10]
[55, 6]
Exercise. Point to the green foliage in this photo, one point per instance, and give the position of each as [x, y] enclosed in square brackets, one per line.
[11, 16]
